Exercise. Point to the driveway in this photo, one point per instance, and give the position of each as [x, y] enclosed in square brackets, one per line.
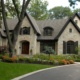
[71, 72]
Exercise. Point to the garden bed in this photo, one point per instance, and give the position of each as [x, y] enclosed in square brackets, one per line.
[41, 59]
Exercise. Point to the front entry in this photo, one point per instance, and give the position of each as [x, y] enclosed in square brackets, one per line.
[25, 47]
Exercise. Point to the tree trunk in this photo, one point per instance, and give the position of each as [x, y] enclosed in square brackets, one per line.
[6, 26]
[12, 42]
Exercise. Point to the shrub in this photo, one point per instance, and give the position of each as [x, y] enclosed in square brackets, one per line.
[64, 62]
[8, 59]
[1, 56]
[48, 50]
[71, 61]
[41, 56]
[14, 59]
[77, 60]
[68, 62]
[3, 49]
[22, 59]
[56, 62]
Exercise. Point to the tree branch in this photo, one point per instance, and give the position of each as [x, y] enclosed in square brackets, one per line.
[17, 27]
[5, 22]
[16, 8]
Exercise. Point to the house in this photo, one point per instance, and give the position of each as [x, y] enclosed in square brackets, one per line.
[63, 35]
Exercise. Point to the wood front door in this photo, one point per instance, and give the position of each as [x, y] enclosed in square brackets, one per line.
[25, 47]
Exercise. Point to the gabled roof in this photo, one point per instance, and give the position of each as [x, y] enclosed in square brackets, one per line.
[76, 14]
[69, 20]
[56, 24]
[12, 23]
[33, 23]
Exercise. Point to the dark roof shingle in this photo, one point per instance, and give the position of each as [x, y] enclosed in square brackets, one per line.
[56, 24]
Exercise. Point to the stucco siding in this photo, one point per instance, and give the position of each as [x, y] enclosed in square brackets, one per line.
[66, 36]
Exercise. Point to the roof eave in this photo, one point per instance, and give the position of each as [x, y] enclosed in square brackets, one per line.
[57, 37]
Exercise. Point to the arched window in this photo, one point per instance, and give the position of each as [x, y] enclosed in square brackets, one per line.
[25, 30]
[48, 31]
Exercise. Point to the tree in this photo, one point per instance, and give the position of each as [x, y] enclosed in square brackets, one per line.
[48, 50]
[59, 12]
[10, 10]
[38, 9]
[73, 2]
[76, 11]
[0, 14]
[12, 41]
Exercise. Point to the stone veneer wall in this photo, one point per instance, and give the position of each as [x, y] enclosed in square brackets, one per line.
[66, 36]
[38, 47]
[78, 21]
[32, 39]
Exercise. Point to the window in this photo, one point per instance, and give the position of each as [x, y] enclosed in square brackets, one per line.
[46, 43]
[76, 21]
[70, 30]
[48, 31]
[25, 30]
[70, 47]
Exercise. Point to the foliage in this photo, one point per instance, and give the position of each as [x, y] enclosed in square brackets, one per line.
[71, 61]
[76, 10]
[41, 56]
[73, 2]
[10, 10]
[77, 49]
[3, 49]
[12, 40]
[38, 9]
[48, 50]
[41, 59]
[6, 58]
[59, 12]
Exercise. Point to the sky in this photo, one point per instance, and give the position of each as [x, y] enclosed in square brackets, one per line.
[53, 3]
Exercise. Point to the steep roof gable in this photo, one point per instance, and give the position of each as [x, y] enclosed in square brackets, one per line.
[56, 24]
[12, 23]
[76, 14]
[70, 20]
[33, 23]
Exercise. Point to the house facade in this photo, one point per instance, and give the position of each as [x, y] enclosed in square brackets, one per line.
[62, 35]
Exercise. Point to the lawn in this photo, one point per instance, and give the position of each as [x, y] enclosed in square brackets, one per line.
[12, 70]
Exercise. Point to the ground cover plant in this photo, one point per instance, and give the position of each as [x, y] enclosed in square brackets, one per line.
[12, 70]
[41, 59]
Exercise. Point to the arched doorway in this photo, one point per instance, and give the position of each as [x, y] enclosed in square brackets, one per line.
[70, 47]
[25, 47]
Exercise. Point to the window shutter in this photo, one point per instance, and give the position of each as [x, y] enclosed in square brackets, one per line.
[64, 47]
[75, 46]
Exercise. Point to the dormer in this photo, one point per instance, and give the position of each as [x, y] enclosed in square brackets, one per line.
[48, 31]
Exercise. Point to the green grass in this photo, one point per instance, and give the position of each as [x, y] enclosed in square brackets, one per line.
[12, 70]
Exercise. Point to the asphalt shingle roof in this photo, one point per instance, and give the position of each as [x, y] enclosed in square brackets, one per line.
[56, 24]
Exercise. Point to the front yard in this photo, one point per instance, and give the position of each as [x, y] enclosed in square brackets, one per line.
[12, 70]
[17, 66]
